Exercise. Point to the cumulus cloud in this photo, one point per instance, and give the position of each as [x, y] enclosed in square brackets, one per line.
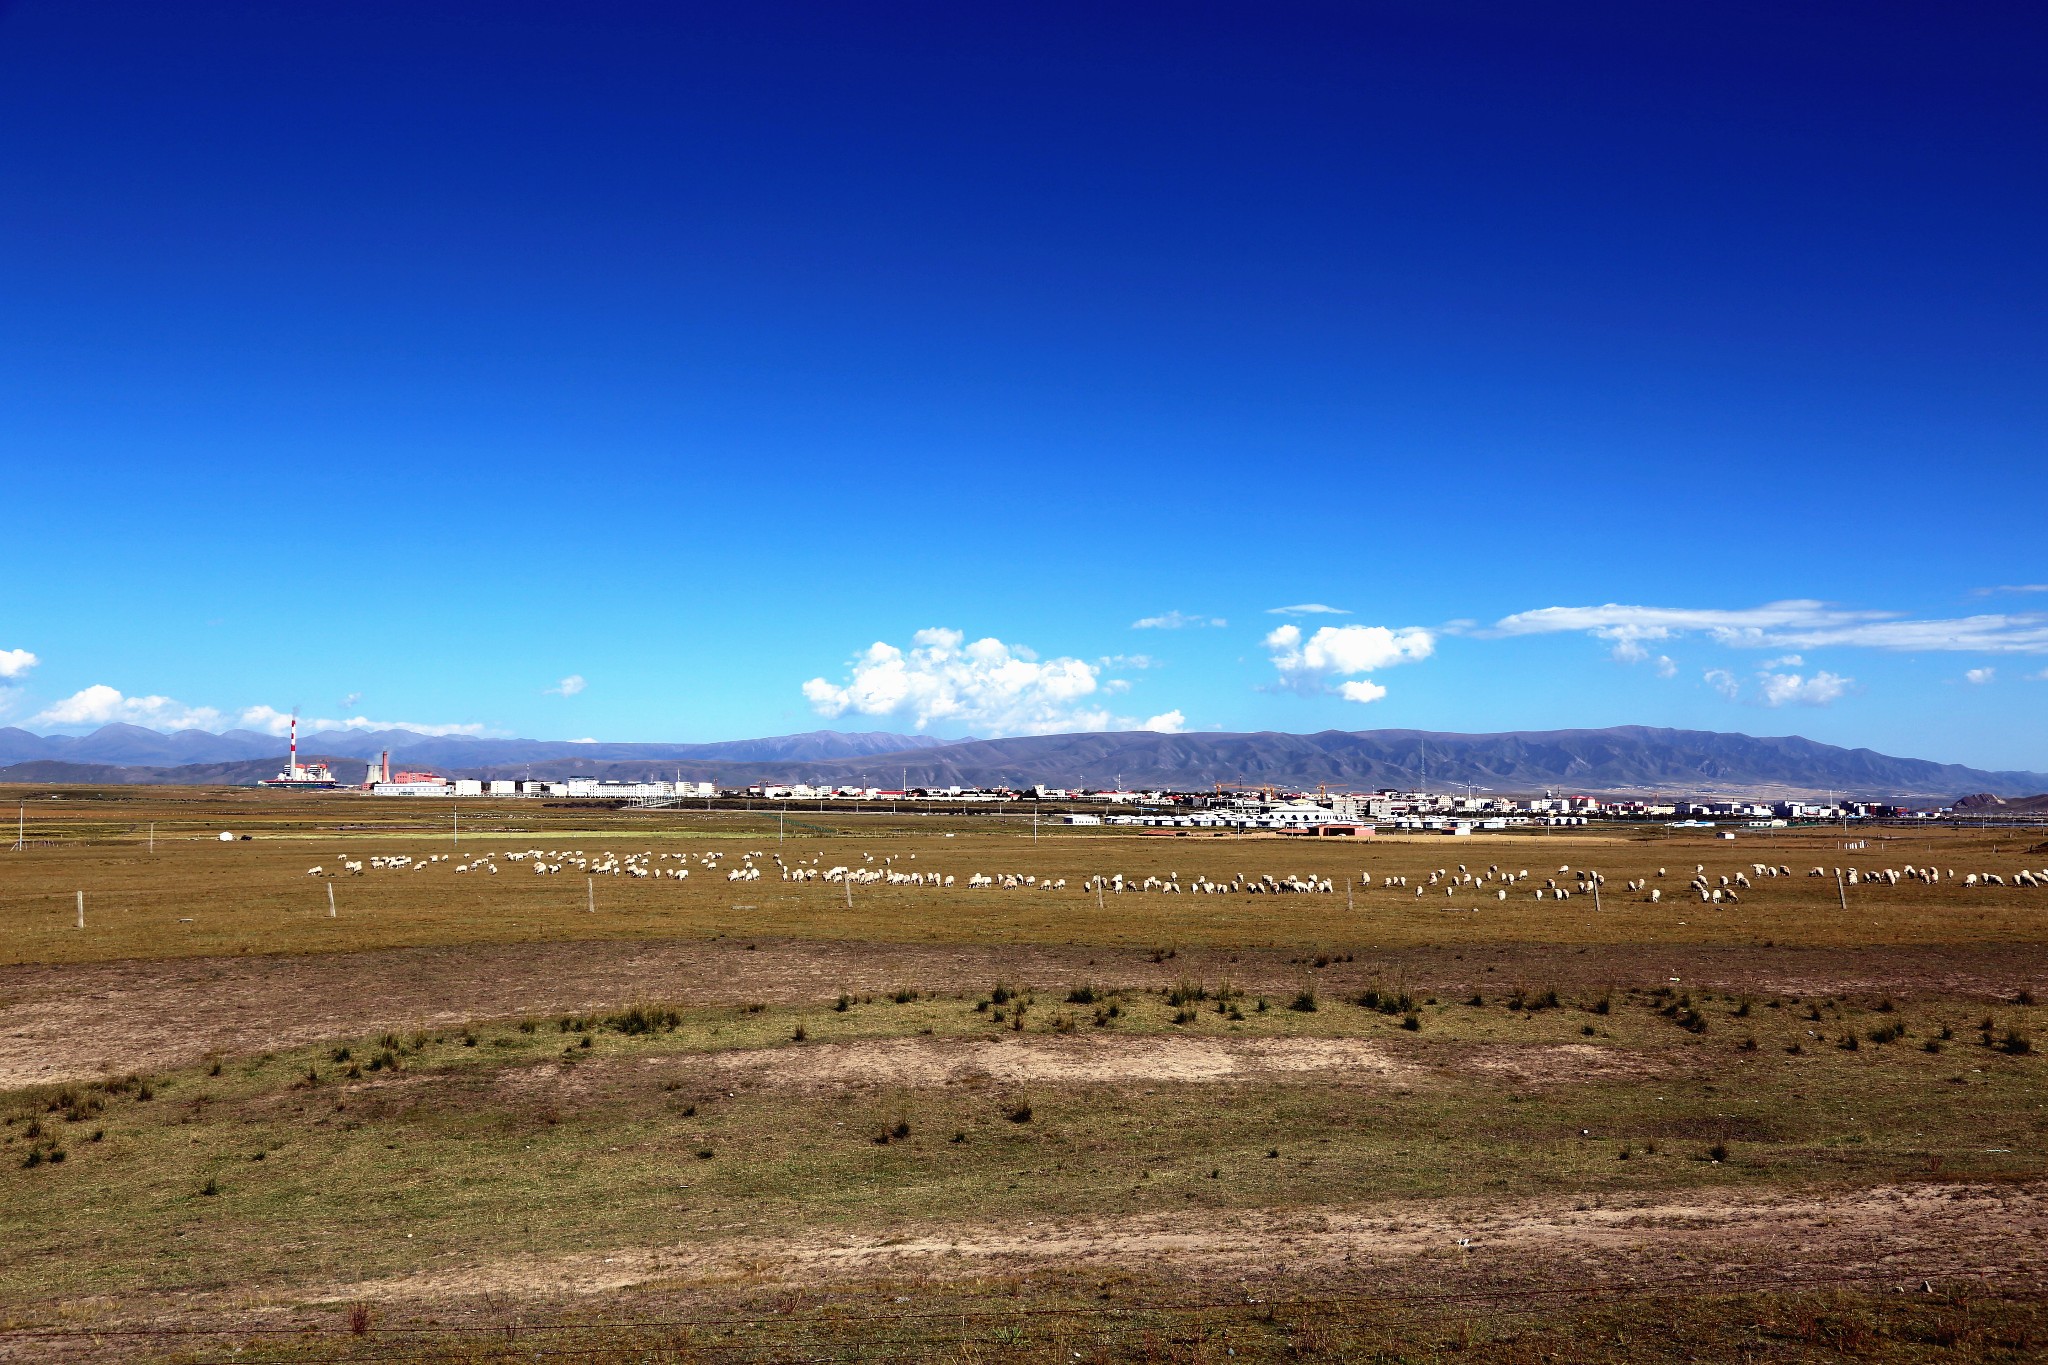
[1174, 620]
[567, 687]
[1790, 689]
[1309, 665]
[15, 662]
[1307, 609]
[1980, 676]
[1169, 723]
[943, 678]
[1793, 624]
[1665, 667]
[271, 721]
[1784, 661]
[1722, 681]
[104, 705]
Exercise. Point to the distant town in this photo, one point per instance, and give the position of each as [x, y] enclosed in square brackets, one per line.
[1226, 807]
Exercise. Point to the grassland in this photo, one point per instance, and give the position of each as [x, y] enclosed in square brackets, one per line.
[467, 1118]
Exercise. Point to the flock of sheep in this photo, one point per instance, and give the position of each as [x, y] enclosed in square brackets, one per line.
[1711, 889]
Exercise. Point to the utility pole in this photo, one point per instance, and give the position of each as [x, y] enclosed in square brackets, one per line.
[20, 828]
[778, 823]
[330, 900]
[1841, 889]
[152, 836]
[458, 829]
[81, 909]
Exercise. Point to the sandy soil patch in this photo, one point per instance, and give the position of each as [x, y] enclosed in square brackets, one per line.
[1086, 1059]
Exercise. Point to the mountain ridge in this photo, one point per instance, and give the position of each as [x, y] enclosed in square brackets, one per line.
[1615, 760]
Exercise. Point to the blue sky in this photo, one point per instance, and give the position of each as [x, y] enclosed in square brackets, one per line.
[400, 362]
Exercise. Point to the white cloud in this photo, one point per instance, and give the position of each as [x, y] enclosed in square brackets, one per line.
[1140, 661]
[567, 687]
[2012, 587]
[103, 705]
[1170, 723]
[1784, 661]
[1722, 681]
[2042, 676]
[15, 662]
[1795, 624]
[350, 700]
[1665, 667]
[1630, 651]
[1790, 689]
[1174, 620]
[1309, 665]
[1307, 609]
[1980, 676]
[270, 720]
[943, 679]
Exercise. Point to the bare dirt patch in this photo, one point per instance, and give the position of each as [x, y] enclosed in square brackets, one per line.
[1989, 1231]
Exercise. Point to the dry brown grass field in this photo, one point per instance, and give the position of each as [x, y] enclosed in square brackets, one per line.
[498, 1115]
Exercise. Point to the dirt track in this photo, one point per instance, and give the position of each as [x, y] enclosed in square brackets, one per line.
[1935, 1231]
[70, 1022]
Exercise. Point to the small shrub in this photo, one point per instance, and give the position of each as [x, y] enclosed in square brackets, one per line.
[1304, 1001]
[1184, 1016]
[1747, 1045]
[1412, 1022]
[2015, 1043]
[1083, 994]
[1849, 1043]
[389, 1042]
[468, 1038]
[1002, 994]
[214, 1070]
[1718, 1152]
[753, 1007]
[529, 1025]
[211, 1188]
[705, 1154]
[1795, 1050]
[2025, 997]
[1261, 1007]
[1587, 1031]
[1931, 1045]
[1187, 993]
[1020, 1113]
[635, 1020]
[358, 1319]
[845, 1003]
[1888, 1033]
[1742, 1009]
[903, 996]
[800, 1035]
[1477, 1000]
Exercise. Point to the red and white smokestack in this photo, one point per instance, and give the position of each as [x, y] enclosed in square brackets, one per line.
[294, 768]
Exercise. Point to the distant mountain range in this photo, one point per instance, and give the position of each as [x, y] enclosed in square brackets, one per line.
[1624, 759]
